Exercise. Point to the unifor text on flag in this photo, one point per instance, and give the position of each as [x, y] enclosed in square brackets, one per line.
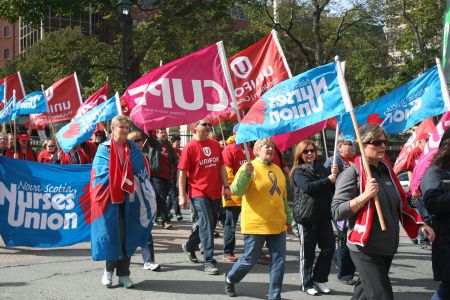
[295, 103]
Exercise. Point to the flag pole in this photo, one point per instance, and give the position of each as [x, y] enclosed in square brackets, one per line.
[223, 60]
[444, 88]
[221, 130]
[335, 144]
[324, 138]
[53, 133]
[349, 105]
[15, 129]
[4, 102]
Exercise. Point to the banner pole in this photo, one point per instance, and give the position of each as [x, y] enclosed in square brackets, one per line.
[444, 88]
[325, 148]
[223, 60]
[221, 130]
[346, 97]
[4, 105]
[53, 133]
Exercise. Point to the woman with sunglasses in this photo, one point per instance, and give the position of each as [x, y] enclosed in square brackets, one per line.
[314, 187]
[371, 248]
[48, 153]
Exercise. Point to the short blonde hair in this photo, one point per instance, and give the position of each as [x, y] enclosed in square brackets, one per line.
[261, 142]
[117, 120]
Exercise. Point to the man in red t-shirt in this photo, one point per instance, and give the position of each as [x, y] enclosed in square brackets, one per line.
[163, 163]
[202, 163]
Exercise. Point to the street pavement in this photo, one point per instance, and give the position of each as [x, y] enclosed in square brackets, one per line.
[70, 273]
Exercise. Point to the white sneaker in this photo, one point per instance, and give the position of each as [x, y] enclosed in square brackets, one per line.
[322, 287]
[107, 278]
[152, 266]
[312, 291]
[126, 282]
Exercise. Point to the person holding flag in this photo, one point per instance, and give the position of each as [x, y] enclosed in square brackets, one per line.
[371, 248]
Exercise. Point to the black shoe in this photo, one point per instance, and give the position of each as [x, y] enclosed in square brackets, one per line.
[179, 217]
[229, 288]
[190, 255]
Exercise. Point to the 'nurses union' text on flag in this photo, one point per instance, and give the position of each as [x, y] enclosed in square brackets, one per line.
[182, 91]
[40, 203]
[295, 103]
[402, 108]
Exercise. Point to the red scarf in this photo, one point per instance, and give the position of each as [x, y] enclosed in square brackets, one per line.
[121, 177]
[409, 217]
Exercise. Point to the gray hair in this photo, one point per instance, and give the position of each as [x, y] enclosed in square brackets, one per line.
[117, 120]
[370, 132]
[259, 143]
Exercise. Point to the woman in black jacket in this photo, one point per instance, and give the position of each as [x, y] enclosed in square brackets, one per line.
[435, 186]
[314, 187]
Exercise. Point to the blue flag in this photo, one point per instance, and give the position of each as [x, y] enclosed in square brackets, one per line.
[139, 207]
[43, 205]
[6, 112]
[33, 103]
[402, 108]
[2, 91]
[81, 129]
[293, 104]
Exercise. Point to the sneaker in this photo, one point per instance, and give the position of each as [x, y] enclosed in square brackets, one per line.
[167, 225]
[211, 270]
[322, 287]
[348, 281]
[152, 266]
[190, 255]
[312, 291]
[126, 282]
[179, 217]
[107, 278]
[229, 288]
[230, 257]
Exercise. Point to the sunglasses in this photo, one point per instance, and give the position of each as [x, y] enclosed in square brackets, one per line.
[377, 142]
[307, 151]
[205, 124]
[137, 140]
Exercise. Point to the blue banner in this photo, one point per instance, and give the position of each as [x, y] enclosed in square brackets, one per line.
[43, 205]
[33, 103]
[81, 129]
[293, 104]
[6, 112]
[2, 91]
[400, 109]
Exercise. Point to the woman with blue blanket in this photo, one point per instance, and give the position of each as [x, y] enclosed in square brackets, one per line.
[120, 186]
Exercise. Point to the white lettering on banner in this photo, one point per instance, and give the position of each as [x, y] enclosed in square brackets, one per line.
[90, 121]
[59, 107]
[308, 97]
[252, 84]
[31, 102]
[49, 93]
[25, 198]
[434, 143]
[400, 115]
[162, 87]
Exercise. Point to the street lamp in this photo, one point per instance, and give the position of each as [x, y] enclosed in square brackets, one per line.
[124, 9]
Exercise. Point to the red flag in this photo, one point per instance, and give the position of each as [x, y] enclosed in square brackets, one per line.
[426, 126]
[14, 82]
[257, 69]
[95, 99]
[287, 140]
[63, 99]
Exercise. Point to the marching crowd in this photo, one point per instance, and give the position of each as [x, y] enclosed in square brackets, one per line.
[348, 210]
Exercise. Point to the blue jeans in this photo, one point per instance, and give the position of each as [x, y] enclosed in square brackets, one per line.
[161, 187]
[148, 251]
[423, 239]
[172, 198]
[205, 211]
[253, 244]
[229, 230]
[442, 292]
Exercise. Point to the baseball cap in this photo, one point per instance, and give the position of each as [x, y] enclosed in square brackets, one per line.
[23, 136]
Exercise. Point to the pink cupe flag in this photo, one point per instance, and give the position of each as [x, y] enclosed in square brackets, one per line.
[183, 91]
[429, 151]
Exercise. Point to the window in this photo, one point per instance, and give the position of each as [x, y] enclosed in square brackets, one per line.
[6, 54]
[6, 31]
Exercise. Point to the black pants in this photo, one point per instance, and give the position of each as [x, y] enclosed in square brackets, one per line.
[122, 266]
[321, 235]
[373, 283]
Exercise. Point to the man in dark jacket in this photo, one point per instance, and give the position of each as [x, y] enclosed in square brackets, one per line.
[163, 163]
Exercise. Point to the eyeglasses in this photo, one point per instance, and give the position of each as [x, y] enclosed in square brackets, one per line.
[377, 142]
[137, 140]
[205, 124]
[307, 151]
